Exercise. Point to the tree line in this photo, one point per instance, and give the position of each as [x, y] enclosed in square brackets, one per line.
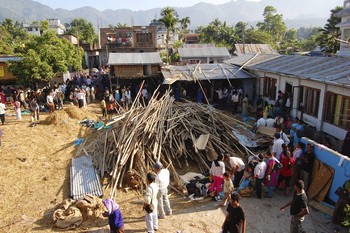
[42, 57]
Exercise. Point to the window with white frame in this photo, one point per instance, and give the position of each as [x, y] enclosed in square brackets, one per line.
[270, 87]
[309, 99]
[337, 110]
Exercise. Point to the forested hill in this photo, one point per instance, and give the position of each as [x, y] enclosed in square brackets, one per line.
[296, 13]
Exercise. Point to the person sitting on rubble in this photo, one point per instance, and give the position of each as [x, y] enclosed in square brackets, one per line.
[248, 175]
[115, 218]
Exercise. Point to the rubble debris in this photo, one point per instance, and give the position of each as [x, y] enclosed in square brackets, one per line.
[166, 131]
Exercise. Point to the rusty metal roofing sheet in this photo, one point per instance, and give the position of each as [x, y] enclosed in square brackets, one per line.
[203, 52]
[84, 179]
[134, 58]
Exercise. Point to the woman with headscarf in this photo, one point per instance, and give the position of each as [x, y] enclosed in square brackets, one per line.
[115, 218]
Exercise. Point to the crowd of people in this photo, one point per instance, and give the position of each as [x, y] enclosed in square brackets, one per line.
[282, 168]
[80, 90]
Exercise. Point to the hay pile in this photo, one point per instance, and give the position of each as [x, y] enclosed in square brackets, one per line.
[80, 113]
[58, 118]
[69, 115]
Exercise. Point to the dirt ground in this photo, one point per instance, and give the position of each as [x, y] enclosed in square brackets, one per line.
[34, 178]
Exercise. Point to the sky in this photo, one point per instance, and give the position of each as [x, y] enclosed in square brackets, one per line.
[134, 5]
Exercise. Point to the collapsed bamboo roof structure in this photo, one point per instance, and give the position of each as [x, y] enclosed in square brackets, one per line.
[166, 131]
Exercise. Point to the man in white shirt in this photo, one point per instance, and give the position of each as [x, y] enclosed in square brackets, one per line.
[277, 146]
[270, 122]
[259, 174]
[283, 136]
[163, 180]
[237, 168]
[50, 103]
[235, 102]
[260, 122]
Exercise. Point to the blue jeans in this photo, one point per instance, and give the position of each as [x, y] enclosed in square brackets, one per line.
[270, 189]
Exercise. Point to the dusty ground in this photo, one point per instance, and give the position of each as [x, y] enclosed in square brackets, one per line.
[34, 178]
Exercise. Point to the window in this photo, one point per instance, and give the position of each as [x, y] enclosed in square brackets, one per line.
[143, 37]
[270, 87]
[310, 99]
[337, 110]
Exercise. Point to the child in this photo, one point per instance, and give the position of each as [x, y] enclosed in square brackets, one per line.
[114, 215]
[228, 189]
[17, 108]
[104, 108]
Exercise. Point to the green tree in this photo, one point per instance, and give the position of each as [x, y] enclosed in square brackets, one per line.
[83, 30]
[329, 32]
[184, 23]
[273, 24]
[12, 37]
[169, 20]
[254, 36]
[218, 33]
[241, 28]
[43, 57]
[289, 44]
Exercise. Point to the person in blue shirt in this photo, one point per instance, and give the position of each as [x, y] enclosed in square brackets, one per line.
[115, 218]
[296, 127]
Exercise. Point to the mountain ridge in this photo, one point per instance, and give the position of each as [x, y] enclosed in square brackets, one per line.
[200, 13]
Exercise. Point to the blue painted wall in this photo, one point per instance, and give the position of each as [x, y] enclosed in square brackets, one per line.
[332, 158]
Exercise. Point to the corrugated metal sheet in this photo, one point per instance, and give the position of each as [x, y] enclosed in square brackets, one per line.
[244, 58]
[134, 58]
[84, 178]
[203, 52]
[195, 72]
[10, 58]
[254, 48]
[334, 70]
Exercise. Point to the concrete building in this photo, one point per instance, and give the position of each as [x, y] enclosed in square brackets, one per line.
[136, 39]
[54, 24]
[345, 29]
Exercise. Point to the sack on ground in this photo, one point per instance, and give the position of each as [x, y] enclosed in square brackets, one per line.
[192, 188]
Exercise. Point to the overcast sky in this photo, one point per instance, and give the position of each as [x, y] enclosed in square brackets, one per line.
[134, 5]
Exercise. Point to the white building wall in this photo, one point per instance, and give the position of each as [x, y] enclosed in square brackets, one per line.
[311, 120]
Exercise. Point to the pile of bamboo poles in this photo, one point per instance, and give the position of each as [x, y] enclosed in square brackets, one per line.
[166, 131]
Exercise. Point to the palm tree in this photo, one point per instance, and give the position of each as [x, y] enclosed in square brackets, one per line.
[184, 22]
[169, 20]
[329, 32]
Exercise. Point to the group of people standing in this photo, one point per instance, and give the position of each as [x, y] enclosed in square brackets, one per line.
[232, 99]
[156, 202]
[280, 168]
